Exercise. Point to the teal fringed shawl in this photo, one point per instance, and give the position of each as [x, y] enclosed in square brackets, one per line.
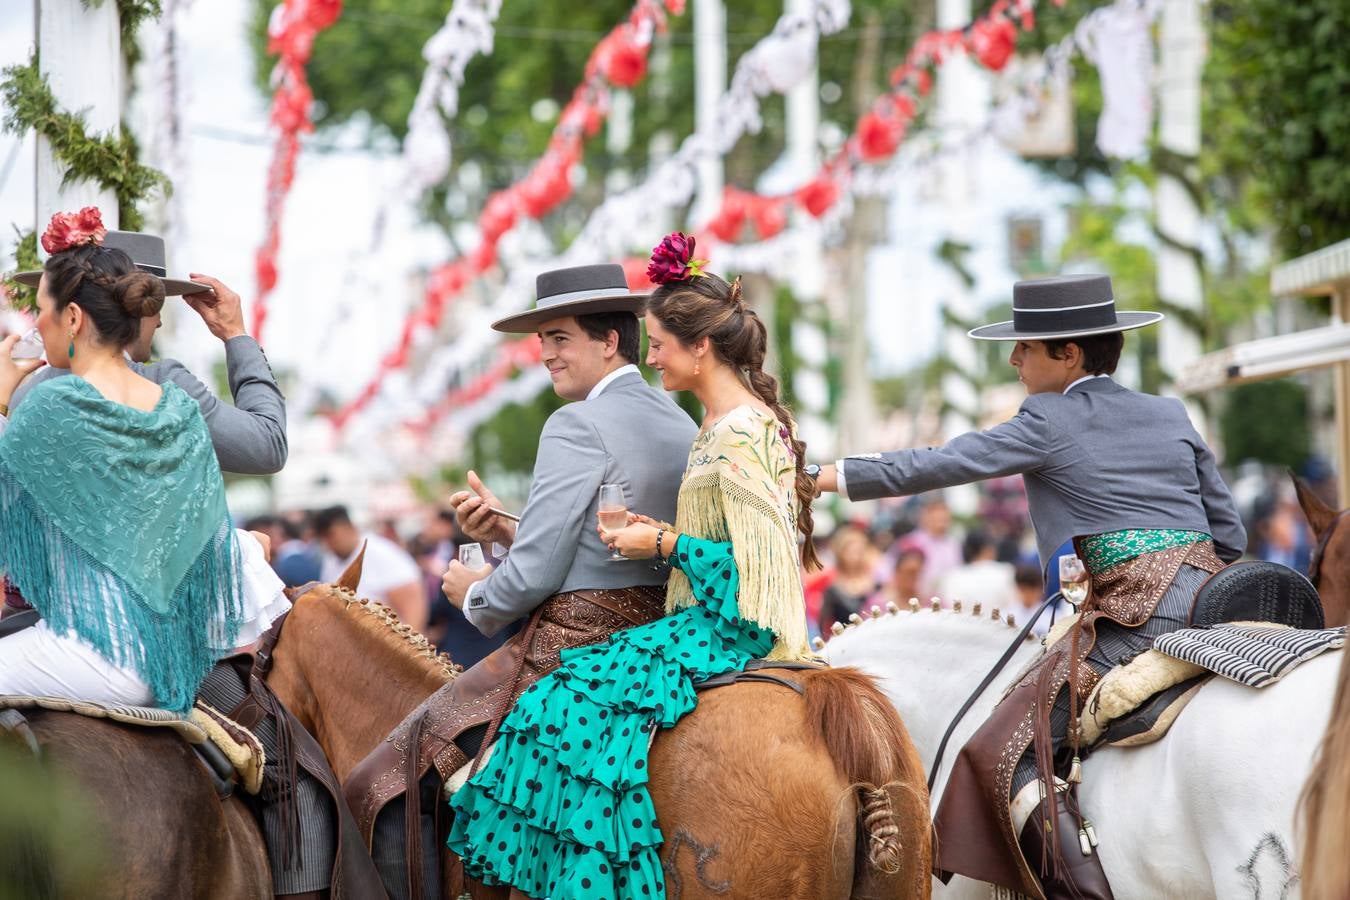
[114, 526]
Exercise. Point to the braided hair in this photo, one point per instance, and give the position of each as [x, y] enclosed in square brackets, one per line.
[707, 306]
[106, 284]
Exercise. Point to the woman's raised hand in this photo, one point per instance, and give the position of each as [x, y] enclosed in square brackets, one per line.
[13, 371]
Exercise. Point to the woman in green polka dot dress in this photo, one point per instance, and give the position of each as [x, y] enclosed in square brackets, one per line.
[561, 809]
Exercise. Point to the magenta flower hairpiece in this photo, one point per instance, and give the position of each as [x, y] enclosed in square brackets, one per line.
[673, 260]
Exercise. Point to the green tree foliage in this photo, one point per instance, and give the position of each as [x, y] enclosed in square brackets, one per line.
[367, 68]
[1267, 421]
[1282, 72]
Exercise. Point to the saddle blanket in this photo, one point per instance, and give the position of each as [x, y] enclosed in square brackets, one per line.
[1253, 654]
[239, 745]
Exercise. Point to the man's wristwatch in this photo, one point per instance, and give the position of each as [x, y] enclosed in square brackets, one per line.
[812, 470]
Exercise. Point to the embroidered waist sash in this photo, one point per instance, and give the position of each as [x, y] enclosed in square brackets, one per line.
[1102, 551]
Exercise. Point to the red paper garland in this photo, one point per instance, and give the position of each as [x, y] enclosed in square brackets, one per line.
[991, 39]
[879, 133]
[290, 35]
[614, 60]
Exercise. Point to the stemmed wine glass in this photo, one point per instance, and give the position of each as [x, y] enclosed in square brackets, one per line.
[613, 513]
[1073, 580]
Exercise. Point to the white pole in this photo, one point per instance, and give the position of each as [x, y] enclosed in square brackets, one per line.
[710, 83]
[1178, 216]
[81, 57]
[810, 344]
[958, 102]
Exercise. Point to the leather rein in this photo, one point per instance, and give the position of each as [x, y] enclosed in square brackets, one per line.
[1315, 563]
[984, 685]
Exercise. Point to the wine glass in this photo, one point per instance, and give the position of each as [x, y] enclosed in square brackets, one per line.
[613, 513]
[471, 556]
[1073, 580]
[28, 347]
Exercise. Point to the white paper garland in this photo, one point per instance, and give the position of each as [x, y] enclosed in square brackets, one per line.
[467, 32]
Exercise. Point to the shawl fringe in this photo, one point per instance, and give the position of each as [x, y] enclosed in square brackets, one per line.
[713, 507]
[76, 594]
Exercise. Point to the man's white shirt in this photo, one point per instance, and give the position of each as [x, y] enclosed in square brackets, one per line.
[386, 566]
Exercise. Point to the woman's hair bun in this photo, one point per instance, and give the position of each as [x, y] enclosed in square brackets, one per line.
[139, 293]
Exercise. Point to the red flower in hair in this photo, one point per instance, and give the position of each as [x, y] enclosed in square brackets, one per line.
[673, 259]
[68, 230]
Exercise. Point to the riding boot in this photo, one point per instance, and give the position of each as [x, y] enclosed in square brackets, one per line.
[1078, 874]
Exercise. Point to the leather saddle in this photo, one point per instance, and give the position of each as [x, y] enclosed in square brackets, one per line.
[1251, 591]
[758, 671]
[1258, 592]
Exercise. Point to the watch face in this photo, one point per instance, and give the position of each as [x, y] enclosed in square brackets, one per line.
[813, 470]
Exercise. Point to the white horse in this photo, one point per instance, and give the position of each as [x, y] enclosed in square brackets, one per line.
[1206, 812]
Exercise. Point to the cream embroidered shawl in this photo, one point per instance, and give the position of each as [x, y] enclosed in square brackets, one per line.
[740, 486]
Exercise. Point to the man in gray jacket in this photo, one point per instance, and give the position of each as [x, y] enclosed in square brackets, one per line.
[1125, 476]
[249, 437]
[557, 574]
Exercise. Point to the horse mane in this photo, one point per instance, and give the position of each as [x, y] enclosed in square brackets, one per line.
[408, 638]
[1324, 806]
[856, 621]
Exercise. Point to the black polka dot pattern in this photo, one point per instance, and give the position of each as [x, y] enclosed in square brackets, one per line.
[565, 794]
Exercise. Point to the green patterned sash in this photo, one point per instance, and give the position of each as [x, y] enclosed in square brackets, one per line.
[1102, 551]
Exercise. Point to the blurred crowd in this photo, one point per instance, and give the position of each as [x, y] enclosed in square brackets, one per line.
[402, 572]
[913, 547]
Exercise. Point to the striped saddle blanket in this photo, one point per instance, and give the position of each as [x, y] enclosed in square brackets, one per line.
[1254, 654]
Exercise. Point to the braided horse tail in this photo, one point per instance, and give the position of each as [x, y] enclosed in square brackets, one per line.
[870, 747]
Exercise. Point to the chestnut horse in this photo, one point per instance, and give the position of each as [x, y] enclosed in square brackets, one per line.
[757, 791]
[1329, 569]
[164, 834]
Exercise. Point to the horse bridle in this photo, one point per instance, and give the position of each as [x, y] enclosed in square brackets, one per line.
[1315, 563]
[262, 652]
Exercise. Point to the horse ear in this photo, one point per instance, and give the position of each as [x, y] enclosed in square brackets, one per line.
[352, 577]
[1320, 516]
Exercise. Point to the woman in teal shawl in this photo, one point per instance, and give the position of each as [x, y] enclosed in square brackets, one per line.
[112, 508]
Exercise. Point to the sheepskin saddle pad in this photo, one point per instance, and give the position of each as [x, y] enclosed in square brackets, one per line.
[1137, 703]
[226, 747]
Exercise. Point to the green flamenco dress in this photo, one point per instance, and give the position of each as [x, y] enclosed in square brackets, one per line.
[561, 809]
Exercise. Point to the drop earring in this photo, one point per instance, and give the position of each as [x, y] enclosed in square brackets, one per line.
[70, 351]
[697, 364]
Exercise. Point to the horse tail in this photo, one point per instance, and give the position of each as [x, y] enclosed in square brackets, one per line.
[870, 747]
[1324, 808]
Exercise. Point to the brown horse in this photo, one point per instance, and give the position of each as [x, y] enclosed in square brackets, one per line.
[165, 835]
[1330, 565]
[757, 791]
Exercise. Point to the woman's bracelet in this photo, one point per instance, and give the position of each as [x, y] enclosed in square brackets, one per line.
[660, 536]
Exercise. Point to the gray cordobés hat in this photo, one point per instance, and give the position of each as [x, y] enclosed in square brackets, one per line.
[1068, 306]
[575, 292]
[146, 251]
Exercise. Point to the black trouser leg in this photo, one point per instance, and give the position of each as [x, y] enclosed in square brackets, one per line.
[388, 843]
